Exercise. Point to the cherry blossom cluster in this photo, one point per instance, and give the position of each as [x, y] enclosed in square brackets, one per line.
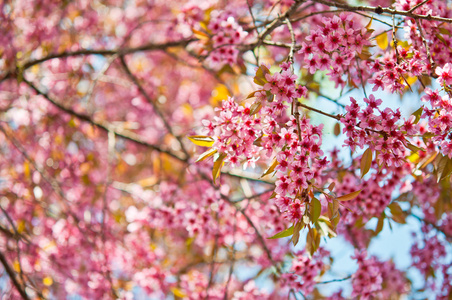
[100, 195]
[334, 45]
[378, 129]
[440, 116]
[227, 33]
[305, 270]
[427, 258]
[372, 274]
[298, 163]
[241, 133]
[376, 194]
[235, 131]
[395, 69]
[435, 35]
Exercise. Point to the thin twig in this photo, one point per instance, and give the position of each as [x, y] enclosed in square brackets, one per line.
[424, 41]
[292, 46]
[337, 117]
[154, 105]
[335, 280]
[418, 5]
[102, 71]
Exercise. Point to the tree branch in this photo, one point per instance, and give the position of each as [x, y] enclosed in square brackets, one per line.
[104, 52]
[13, 278]
[383, 10]
[154, 105]
[106, 127]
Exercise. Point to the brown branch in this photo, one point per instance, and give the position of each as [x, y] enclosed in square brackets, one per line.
[105, 126]
[275, 24]
[259, 237]
[244, 175]
[292, 45]
[13, 278]
[104, 52]
[427, 48]
[154, 105]
[383, 10]
[250, 222]
[337, 117]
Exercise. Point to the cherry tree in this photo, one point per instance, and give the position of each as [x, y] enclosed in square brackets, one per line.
[212, 149]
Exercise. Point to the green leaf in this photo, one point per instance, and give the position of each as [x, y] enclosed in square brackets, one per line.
[366, 162]
[316, 209]
[206, 154]
[285, 233]
[444, 31]
[350, 196]
[201, 140]
[217, 166]
[417, 114]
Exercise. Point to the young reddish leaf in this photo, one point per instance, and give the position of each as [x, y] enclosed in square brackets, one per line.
[258, 141]
[312, 241]
[285, 233]
[217, 166]
[337, 129]
[331, 186]
[201, 140]
[316, 209]
[333, 208]
[350, 196]
[206, 154]
[444, 31]
[366, 162]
